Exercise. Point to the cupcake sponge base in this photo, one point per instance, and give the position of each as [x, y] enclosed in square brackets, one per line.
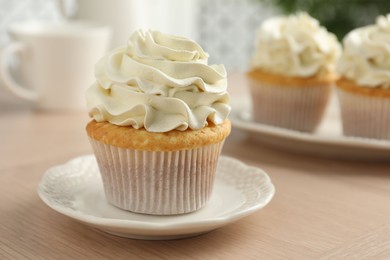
[365, 111]
[292, 103]
[157, 173]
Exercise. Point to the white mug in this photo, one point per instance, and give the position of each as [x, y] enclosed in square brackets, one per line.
[56, 62]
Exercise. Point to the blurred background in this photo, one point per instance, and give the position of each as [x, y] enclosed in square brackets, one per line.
[224, 28]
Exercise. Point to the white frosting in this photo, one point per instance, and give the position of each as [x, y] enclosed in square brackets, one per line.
[160, 82]
[295, 45]
[366, 56]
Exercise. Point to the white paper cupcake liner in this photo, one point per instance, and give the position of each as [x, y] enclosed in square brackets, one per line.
[364, 116]
[157, 183]
[297, 108]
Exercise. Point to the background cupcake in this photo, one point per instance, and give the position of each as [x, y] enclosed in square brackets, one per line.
[160, 120]
[364, 89]
[292, 71]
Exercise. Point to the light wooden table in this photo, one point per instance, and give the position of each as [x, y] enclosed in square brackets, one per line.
[323, 208]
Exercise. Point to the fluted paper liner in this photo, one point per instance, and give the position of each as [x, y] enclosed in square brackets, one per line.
[364, 116]
[157, 183]
[299, 108]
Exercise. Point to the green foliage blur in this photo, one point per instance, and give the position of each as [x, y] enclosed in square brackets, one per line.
[338, 16]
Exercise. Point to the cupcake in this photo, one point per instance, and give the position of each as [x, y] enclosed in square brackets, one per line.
[364, 86]
[292, 72]
[159, 122]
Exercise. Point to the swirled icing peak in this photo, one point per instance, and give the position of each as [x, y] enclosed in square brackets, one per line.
[160, 82]
[295, 45]
[366, 56]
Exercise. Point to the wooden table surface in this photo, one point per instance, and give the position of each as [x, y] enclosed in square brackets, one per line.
[323, 208]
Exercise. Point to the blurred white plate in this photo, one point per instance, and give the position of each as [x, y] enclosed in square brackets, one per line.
[326, 141]
[75, 190]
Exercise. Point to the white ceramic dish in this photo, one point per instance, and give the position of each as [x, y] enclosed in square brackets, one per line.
[75, 190]
[327, 141]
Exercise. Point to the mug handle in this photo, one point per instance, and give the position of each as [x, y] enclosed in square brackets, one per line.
[5, 74]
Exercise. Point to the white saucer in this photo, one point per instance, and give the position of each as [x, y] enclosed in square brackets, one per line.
[75, 190]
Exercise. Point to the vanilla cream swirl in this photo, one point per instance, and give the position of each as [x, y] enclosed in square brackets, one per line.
[295, 45]
[366, 56]
[160, 82]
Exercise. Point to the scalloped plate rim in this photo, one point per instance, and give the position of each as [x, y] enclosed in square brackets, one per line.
[217, 222]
